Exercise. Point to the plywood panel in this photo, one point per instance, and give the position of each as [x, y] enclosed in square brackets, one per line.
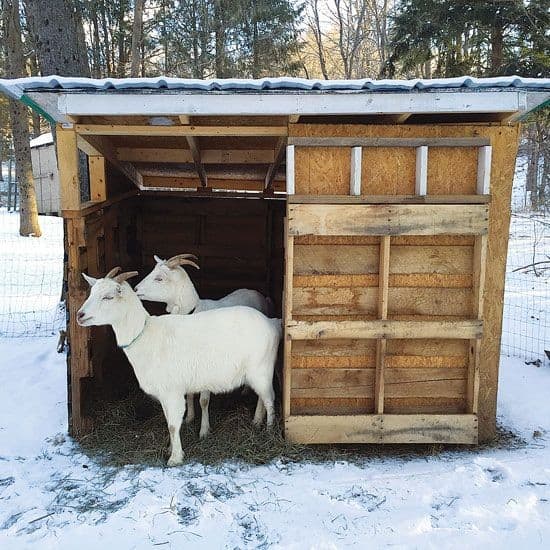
[388, 170]
[322, 170]
[402, 301]
[331, 406]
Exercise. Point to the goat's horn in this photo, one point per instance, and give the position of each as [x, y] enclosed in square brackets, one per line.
[113, 272]
[181, 259]
[124, 276]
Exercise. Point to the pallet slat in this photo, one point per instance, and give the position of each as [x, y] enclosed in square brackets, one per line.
[421, 219]
[307, 330]
[387, 428]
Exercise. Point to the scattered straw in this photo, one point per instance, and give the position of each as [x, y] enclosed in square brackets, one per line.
[133, 431]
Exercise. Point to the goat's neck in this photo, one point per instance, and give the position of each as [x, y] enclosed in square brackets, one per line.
[185, 302]
[131, 325]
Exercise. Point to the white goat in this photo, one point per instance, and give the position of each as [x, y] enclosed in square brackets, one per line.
[172, 355]
[170, 283]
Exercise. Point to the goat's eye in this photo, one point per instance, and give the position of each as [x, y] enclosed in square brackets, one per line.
[159, 279]
[107, 297]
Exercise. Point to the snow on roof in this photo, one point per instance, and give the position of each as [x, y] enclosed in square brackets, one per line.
[43, 139]
[17, 87]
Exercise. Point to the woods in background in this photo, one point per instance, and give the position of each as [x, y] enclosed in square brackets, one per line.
[327, 39]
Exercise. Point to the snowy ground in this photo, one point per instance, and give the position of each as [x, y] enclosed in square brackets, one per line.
[52, 496]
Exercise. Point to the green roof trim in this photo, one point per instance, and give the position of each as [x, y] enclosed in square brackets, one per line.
[35, 107]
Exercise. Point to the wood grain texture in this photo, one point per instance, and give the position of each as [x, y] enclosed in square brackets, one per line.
[422, 219]
[385, 428]
[308, 330]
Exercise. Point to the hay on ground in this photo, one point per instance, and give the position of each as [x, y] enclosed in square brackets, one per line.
[133, 431]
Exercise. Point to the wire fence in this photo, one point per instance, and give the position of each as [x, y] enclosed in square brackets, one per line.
[526, 324]
[31, 277]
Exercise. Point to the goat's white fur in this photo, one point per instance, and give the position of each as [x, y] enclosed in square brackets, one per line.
[173, 286]
[173, 355]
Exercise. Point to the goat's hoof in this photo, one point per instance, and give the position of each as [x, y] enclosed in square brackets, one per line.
[204, 433]
[257, 423]
[174, 461]
[189, 419]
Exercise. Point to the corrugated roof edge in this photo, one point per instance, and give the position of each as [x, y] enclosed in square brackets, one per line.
[17, 87]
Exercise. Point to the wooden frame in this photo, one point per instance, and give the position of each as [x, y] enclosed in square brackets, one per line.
[384, 217]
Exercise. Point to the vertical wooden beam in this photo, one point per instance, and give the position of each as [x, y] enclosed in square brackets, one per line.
[287, 317]
[280, 150]
[355, 178]
[484, 169]
[383, 286]
[78, 356]
[479, 270]
[67, 162]
[196, 154]
[421, 187]
[290, 186]
[98, 180]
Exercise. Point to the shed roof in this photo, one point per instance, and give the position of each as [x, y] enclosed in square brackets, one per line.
[61, 98]
[18, 87]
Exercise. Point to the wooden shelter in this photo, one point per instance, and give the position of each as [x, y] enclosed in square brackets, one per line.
[375, 214]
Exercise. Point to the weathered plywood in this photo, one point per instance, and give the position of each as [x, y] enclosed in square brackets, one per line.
[385, 428]
[401, 301]
[421, 219]
[324, 259]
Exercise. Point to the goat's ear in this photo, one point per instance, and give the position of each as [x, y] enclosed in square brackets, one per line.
[158, 260]
[90, 280]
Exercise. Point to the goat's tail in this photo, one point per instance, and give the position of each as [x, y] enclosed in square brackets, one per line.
[278, 324]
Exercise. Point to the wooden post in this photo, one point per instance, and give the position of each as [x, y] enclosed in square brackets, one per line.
[67, 161]
[421, 187]
[290, 170]
[383, 284]
[98, 180]
[355, 179]
[480, 261]
[287, 317]
[78, 357]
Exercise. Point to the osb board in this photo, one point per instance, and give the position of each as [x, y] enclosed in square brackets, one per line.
[504, 140]
[322, 170]
[388, 170]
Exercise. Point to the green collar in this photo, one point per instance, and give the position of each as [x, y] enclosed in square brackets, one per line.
[125, 346]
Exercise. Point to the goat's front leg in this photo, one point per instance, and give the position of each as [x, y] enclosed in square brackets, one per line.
[190, 408]
[174, 409]
[205, 417]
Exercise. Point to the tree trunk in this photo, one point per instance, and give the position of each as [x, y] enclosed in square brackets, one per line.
[137, 29]
[60, 45]
[219, 37]
[497, 48]
[15, 67]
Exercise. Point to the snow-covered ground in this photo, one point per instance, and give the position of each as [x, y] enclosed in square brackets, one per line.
[52, 496]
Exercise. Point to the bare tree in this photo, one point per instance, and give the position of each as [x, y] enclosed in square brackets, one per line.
[137, 32]
[15, 67]
[349, 37]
